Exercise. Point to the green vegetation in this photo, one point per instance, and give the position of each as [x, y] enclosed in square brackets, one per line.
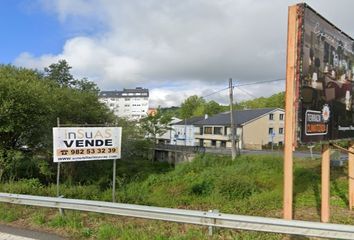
[250, 185]
[276, 100]
[198, 106]
[30, 102]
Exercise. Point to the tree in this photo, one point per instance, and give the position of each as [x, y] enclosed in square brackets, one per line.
[29, 106]
[60, 74]
[87, 86]
[155, 125]
[189, 106]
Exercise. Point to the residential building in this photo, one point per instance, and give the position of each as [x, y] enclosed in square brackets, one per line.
[255, 129]
[132, 104]
[184, 132]
[168, 136]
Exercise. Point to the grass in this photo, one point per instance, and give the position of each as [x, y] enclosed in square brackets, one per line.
[250, 185]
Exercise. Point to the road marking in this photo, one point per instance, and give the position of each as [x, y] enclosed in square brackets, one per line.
[6, 236]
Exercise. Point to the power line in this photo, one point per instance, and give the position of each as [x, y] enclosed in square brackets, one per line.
[215, 92]
[247, 92]
[260, 82]
[245, 84]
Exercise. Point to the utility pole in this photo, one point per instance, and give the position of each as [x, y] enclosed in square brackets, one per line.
[232, 127]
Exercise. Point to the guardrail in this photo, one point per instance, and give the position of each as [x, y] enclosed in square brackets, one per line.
[210, 219]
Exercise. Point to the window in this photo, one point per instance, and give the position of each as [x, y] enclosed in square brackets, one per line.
[127, 99]
[270, 131]
[213, 143]
[281, 130]
[126, 105]
[218, 130]
[225, 131]
[201, 131]
[208, 130]
[223, 144]
[271, 116]
[281, 117]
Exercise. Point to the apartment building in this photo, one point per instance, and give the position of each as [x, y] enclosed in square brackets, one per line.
[132, 104]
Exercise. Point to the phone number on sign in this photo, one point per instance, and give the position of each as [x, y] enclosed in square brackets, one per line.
[86, 151]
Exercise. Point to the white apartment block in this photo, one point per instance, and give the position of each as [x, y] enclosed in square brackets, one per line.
[132, 104]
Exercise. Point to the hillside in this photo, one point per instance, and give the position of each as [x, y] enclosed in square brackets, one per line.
[275, 100]
[250, 185]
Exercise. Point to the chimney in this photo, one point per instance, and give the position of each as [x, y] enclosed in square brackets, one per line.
[206, 116]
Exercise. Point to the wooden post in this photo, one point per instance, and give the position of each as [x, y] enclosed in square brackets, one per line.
[325, 183]
[232, 123]
[290, 114]
[351, 175]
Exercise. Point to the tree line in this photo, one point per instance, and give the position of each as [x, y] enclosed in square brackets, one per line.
[195, 106]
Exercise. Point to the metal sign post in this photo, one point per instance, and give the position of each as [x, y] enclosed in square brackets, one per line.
[114, 180]
[58, 165]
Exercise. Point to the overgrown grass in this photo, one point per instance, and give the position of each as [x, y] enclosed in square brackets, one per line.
[250, 185]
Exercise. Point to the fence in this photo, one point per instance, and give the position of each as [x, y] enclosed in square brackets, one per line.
[209, 218]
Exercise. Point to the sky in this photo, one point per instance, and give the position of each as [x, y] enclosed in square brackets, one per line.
[174, 48]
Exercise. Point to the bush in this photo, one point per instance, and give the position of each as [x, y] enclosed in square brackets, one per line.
[239, 187]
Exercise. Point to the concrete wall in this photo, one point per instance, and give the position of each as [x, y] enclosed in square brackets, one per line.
[173, 157]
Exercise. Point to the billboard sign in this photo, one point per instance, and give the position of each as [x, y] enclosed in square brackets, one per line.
[325, 62]
[86, 143]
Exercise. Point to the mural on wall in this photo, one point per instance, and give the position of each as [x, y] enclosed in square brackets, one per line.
[326, 67]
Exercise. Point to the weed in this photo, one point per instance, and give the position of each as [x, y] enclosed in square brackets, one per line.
[9, 214]
[107, 232]
[86, 232]
[39, 218]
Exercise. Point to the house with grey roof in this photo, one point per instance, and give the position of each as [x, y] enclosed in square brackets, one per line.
[255, 129]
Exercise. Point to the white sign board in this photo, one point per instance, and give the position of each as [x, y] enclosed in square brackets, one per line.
[86, 143]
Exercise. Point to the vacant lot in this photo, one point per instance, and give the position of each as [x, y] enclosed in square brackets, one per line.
[250, 185]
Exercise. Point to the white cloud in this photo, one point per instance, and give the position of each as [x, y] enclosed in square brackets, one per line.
[179, 48]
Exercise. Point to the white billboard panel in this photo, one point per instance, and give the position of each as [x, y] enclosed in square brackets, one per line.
[71, 144]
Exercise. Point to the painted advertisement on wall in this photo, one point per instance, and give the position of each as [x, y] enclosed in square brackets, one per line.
[326, 79]
[86, 144]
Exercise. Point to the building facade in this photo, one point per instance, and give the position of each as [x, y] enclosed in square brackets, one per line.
[132, 104]
[184, 132]
[168, 136]
[256, 128]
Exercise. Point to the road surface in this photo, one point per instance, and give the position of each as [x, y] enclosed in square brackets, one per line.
[12, 233]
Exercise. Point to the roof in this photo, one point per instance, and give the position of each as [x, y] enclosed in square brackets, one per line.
[137, 92]
[189, 121]
[241, 116]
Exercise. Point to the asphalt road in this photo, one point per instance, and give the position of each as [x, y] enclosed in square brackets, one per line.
[13, 233]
